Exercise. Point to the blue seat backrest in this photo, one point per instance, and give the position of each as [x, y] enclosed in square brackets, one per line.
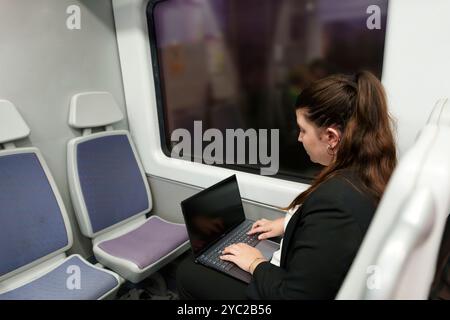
[31, 224]
[111, 182]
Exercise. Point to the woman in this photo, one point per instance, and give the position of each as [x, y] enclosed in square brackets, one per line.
[345, 126]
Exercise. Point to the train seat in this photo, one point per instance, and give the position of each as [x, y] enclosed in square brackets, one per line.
[404, 238]
[111, 195]
[35, 232]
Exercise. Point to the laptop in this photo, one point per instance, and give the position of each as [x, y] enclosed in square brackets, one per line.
[215, 219]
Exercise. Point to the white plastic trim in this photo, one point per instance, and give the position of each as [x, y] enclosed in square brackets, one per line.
[441, 113]
[437, 111]
[414, 227]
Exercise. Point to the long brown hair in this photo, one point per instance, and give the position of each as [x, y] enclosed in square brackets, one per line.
[356, 105]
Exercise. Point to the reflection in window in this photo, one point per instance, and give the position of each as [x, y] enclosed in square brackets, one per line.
[241, 63]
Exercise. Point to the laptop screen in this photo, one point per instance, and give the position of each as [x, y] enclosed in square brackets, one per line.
[212, 213]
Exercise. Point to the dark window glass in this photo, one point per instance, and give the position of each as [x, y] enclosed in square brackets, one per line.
[241, 63]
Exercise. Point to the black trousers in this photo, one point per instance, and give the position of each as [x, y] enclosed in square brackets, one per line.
[195, 281]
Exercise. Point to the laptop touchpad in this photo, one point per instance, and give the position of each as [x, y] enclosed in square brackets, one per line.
[267, 248]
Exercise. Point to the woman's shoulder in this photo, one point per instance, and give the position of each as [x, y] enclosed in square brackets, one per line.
[342, 195]
[341, 183]
[343, 190]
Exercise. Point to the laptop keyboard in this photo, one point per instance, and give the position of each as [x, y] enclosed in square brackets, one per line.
[212, 257]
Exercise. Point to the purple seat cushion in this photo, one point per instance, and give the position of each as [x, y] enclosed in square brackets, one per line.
[147, 244]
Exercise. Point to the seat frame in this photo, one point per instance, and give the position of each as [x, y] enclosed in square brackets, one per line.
[39, 267]
[125, 268]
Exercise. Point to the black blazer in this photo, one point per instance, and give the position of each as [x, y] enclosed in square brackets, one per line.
[320, 243]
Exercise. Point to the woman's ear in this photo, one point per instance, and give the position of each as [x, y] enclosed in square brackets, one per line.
[333, 136]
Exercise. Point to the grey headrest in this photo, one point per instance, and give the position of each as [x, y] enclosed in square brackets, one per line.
[12, 125]
[93, 109]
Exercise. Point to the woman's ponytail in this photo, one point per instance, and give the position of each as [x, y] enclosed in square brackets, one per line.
[371, 105]
[368, 137]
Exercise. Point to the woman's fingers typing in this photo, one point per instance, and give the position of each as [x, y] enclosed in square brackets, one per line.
[229, 257]
[259, 230]
[266, 235]
[230, 250]
[256, 227]
[267, 228]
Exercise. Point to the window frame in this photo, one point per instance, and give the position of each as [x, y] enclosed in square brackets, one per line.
[162, 115]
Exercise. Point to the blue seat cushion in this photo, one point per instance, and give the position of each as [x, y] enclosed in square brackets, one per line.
[31, 224]
[111, 182]
[61, 284]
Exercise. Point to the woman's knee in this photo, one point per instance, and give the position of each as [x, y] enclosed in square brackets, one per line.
[184, 277]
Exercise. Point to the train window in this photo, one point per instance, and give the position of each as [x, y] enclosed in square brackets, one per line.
[235, 64]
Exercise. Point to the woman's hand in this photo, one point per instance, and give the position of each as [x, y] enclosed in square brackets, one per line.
[268, 228]
[243, 255]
